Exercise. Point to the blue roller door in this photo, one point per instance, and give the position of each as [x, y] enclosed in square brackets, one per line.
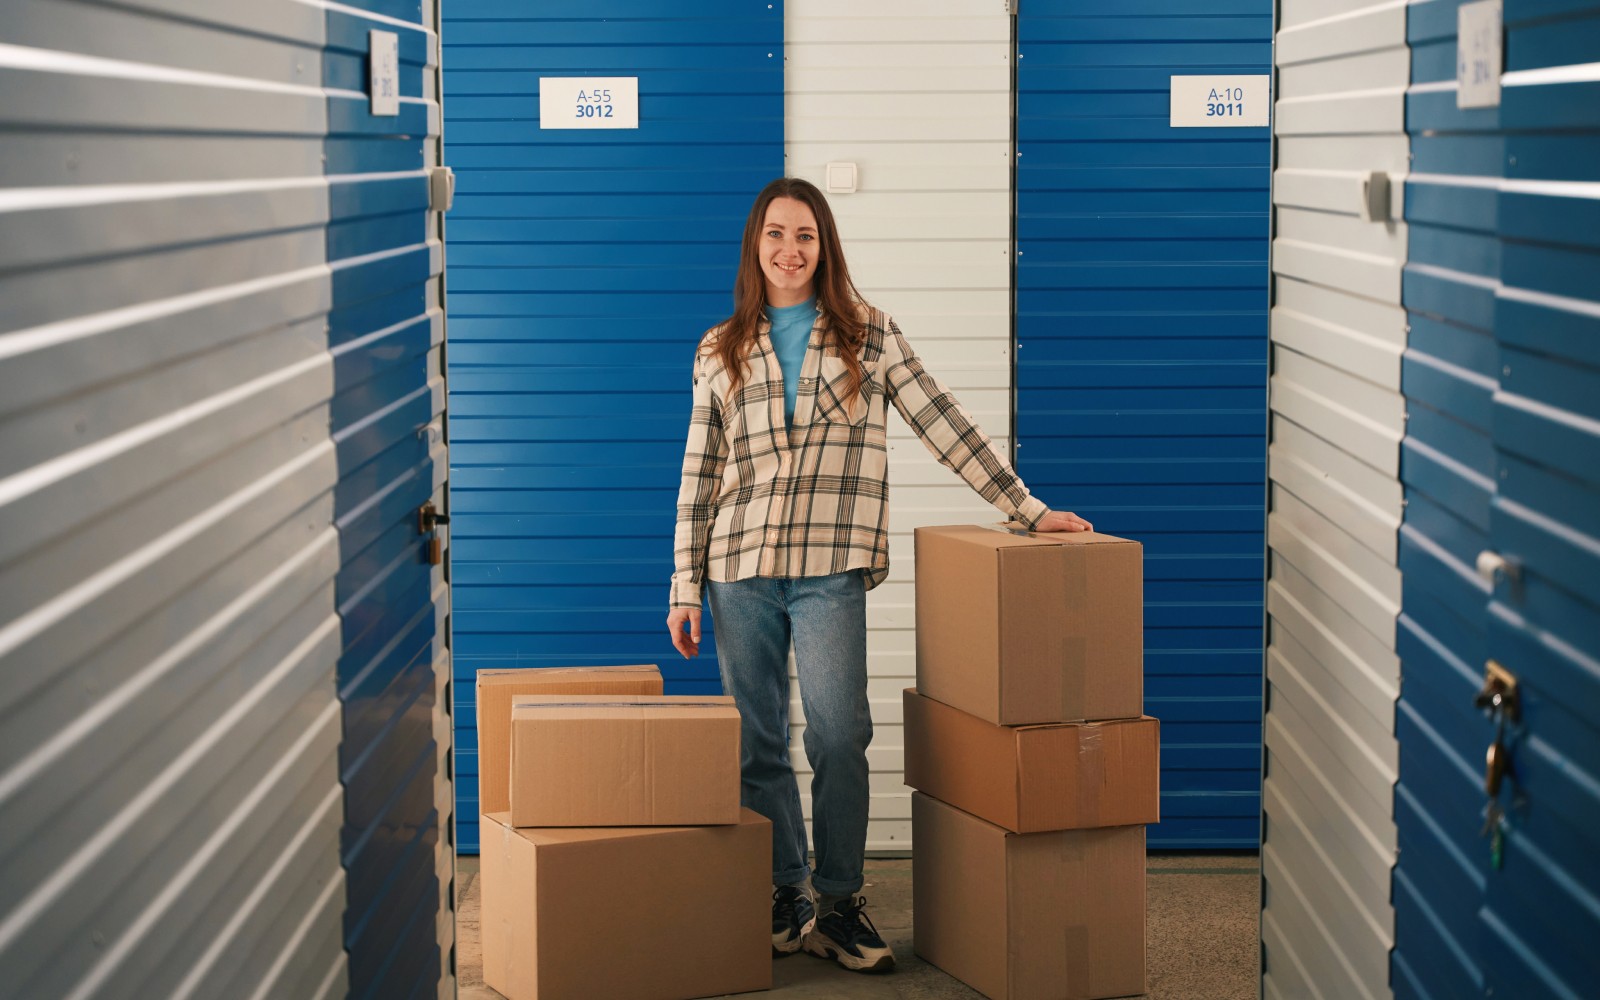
[384, 332]
[1502, 456]
[583, 267]
[1141, 337]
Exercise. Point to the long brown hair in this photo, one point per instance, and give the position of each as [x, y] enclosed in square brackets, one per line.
[843, 311]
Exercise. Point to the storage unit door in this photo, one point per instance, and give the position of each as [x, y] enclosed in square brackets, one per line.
[1333, 581]
[584, 265]
[1498, 896]
[1141, 343]
[221, 400]
[385, 329]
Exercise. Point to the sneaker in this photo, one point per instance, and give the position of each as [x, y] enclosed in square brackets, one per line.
[846, 935]
[794, 913]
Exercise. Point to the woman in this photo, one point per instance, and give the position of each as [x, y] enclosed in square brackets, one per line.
[783, 517]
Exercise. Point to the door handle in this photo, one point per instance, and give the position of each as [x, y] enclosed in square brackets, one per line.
[1491, 563]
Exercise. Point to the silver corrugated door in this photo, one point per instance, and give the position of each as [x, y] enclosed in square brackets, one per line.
[220, 408]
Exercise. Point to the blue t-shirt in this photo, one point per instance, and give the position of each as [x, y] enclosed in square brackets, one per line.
[791, 332]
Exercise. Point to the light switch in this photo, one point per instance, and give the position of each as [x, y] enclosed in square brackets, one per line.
[841, 178]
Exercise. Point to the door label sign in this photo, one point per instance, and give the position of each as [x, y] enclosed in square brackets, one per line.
[1478, 55]
[383, 73]
[1221, 101]
[588, 102]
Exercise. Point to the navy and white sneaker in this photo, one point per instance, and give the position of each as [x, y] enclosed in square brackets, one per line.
[794, 914]
[846, 935]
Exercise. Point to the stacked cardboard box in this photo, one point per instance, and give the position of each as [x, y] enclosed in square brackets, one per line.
[1034, 768]
[610, 810]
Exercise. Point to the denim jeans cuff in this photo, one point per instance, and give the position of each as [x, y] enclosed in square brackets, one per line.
[830, 887]
[794, 876]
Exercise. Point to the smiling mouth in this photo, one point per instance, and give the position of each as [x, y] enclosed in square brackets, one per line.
[788, 267]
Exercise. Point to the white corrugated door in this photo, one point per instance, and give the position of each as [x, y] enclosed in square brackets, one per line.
[918, 96]
[1337, 420]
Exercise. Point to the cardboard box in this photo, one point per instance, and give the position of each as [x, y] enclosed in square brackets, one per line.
[1035, 916]
[1019, 628]
[641, 913]
[497, 688]
[1031, 779]
[606, 760]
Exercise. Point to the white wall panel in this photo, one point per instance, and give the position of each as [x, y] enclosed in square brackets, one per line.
[918, 95]
[1337, 420]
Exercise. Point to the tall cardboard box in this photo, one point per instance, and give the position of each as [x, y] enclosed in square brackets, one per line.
[495, 691]
[641, 760]
[1032, 779]
[1020, 628]
[1035, 916]
[651, 913]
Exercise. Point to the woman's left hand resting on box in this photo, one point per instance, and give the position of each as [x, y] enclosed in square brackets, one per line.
[684, 623]
[1062, 520]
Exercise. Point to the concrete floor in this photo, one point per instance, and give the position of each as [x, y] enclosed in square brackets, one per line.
[1202, 937]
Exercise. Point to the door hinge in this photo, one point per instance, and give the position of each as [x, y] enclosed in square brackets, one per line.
[1011, 7]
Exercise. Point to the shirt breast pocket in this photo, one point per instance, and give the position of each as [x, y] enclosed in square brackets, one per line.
[836, 403]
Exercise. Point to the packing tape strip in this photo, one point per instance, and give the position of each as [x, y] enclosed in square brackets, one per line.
[1075, 946]
[1091, 773]
[622, 704]
[1075, 645]
[569, 670]
[1074, 649]
[1008, 528]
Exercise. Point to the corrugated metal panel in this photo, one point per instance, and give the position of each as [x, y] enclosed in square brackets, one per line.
[583, 268]
[385, 330]
[1448, 474]
[443, 712]
[217, 398]
[168, 623]
[918, 95]
[1501, 379]
[1141, 338]
[1333, 587]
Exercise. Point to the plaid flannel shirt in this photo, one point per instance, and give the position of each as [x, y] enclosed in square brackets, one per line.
[760, 499]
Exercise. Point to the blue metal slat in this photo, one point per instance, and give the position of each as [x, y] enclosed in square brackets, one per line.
[710, 30]
[710, 134]
[540, 155]
[1043, 228]
[662, 107]
[706, 80]
[1437, 940]
[582, 255]
[1181, 55]
[590, 281]
[599, 60]
[507, 597]
[511, 10]
[351, 154]
[1438, 966]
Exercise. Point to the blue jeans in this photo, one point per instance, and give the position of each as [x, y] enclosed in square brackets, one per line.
[826, 616]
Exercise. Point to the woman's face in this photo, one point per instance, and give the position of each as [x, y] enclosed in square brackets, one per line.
[789, 251]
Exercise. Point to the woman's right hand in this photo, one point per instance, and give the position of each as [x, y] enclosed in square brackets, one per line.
[687, 643]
